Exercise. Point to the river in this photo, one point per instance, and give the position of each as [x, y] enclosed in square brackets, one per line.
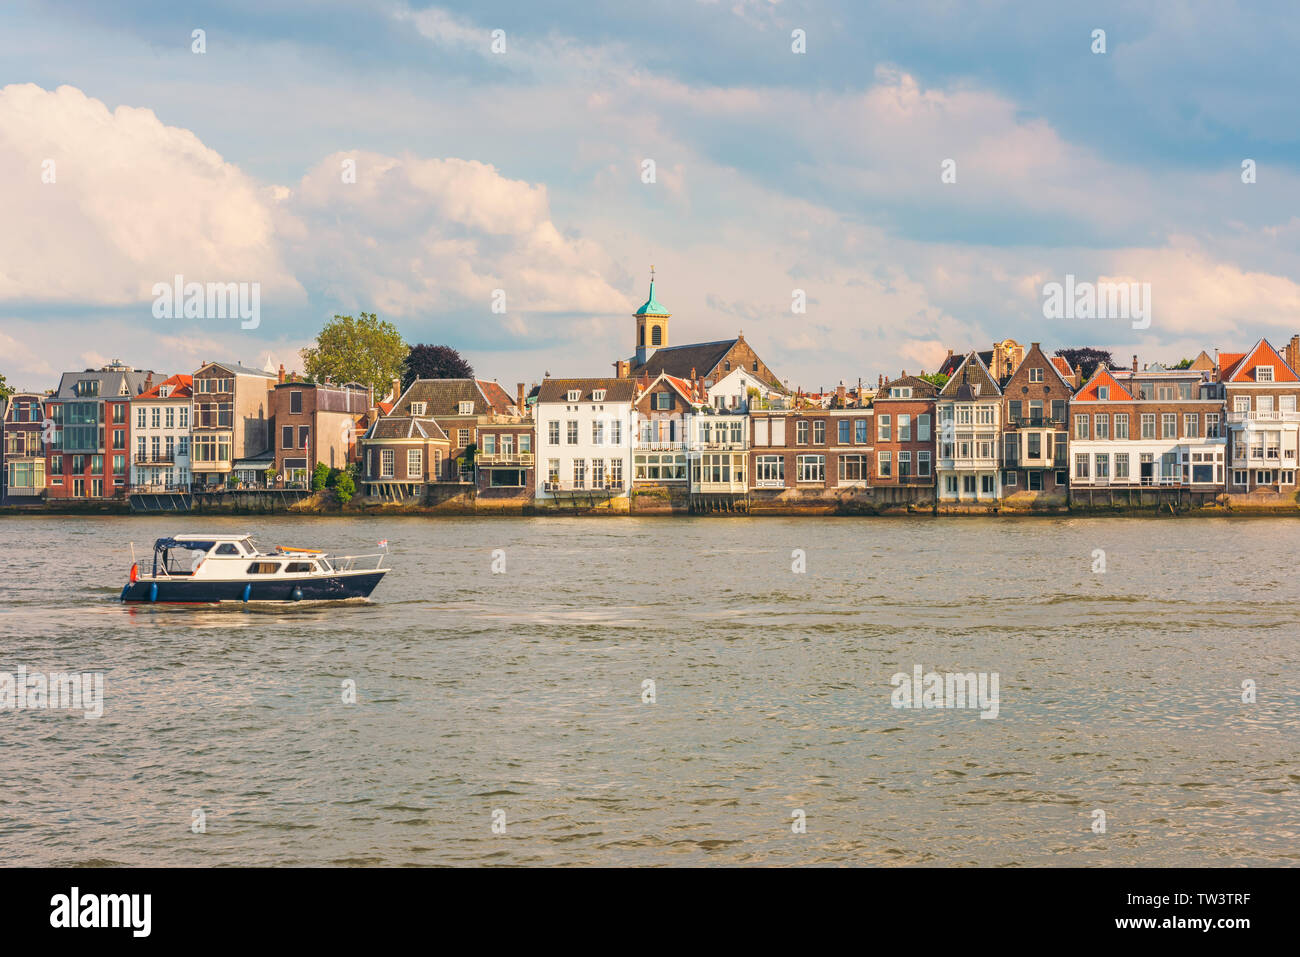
[504, 716]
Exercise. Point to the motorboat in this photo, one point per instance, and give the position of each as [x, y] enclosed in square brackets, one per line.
[206, 569]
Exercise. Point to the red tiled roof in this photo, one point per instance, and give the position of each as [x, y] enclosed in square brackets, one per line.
[1062, 366]
[1226, 362]
[1103, 377]
[497, 397]
[182, 388]
[385, 407]
[1262, 355]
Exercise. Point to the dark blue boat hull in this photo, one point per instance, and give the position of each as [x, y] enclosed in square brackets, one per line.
[324, 588]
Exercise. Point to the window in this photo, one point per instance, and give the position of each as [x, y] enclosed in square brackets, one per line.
[812, 468]
[1241, 403]
[597, 473]
[286, 437]
[1148, 425]
[853, 468]
[1036, 375]
[1286, 403]
[1191, 426]
[1035, 481]
[1121, 466]
[659, 401]
[922, 428]
[968, 484]
[387, 460]
[525, 443]
[263, 568]
[553, 471]
[904, 429]
[1035, 441]
[1103, 392]
[598, 395]
[1101, 462]
[1168, 425]
[616, 433]
[1287, 477]
[598, 432]
[1009, 477]
[769, 471]
[1080, 426]
[884, 464]
[185, 417]
[571, 432]
[860, 432]
[1058, 411]
[417, 408]
[1263, 373]
[819, 432]
[572, 395]
[904, 465]
[923, 462]
[553, 433]
[295, 404]
[1212, 425]
[140, 414]
[1121, 425]
[616, 473]
[883, 425]
[900, 392]
[986, 484]
[303, 433]
[801, 432]
[1013, 411]
[414, 463]
[1101, 427]
[466, 407]
[579, 473]
[844, 432]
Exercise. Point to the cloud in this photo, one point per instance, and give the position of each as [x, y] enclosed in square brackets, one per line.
[126, 201]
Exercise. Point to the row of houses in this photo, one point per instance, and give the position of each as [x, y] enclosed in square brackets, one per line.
[709, 424]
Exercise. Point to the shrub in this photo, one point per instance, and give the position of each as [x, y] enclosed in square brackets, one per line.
[319, 475]
[344, 489]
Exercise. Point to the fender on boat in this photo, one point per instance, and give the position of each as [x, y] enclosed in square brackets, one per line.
[248, 590]
[153, 592]
[297, 593]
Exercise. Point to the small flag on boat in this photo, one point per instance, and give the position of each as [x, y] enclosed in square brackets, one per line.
[383, 543]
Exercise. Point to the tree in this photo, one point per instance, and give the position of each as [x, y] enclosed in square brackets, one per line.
[6, 390]
[318, 476]
[434, 362]
[1183, 364]
[361, 350]
[344, 489]
[269, 475]
[936, 379]
[1086, 358]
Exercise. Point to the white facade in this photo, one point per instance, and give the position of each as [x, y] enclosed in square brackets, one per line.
[1150, 449]
[160, 439]
[718, 450]
[584, 442]
[969, 436]
[731, 392]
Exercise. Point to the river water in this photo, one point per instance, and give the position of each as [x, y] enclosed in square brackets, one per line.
[521, 693]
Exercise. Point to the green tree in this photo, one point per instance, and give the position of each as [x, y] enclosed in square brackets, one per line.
[269, 475]
[936, 379]
[319, 475]
[1183, 364]
[361, 350]
[6, 390]
[344, 489]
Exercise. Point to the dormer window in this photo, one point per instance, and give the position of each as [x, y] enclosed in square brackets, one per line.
[598, 395]
[467, 407]
[1103, 392]
[164, 391]
[900, 392]
[572, 395]
[417, 408]
[1263, 373]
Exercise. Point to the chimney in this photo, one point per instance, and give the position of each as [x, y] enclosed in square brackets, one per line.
[1135, 365]
[519, 397]
[148, 379]
[622, 369]
[880, 381]
[281, 374]
[841, 395]
[396, 385]
[1293, 352]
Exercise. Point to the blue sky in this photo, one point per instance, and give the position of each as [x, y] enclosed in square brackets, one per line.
[521, 171]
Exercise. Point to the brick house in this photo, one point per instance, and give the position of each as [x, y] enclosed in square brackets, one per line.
[160, 436]
[661, 418]
[1035, 436]
[230, 430]
[23, 446]
[402, 454]
[314, 422]
[810, 449]
[905, 440]
[506, 466]
[89, 455]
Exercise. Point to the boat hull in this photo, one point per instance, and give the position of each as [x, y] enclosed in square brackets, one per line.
[287, 591]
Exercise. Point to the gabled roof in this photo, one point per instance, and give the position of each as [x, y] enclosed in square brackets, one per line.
[1102, 377]
[1202, 363]
[616, 390]
[972, 380]
[952, 364]
[181, 388]
[495, 394]
[1226, 361]
[702, 357]
[1261, 354]
[444, 396]
[1062, 366]
[234, 368]
[683, 387]
[385, 407]
[406, 427]
[1034, 347]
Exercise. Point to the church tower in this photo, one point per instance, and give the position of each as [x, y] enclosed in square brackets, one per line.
[651, 326]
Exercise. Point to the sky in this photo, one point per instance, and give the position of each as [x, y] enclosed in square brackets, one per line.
[382, 156]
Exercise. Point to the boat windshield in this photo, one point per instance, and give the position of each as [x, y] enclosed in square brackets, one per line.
[174, 557]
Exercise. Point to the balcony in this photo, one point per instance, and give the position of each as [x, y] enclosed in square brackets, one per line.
[608, 486]
[656, 446]
[1240, 418]
[1035, 422]
[1146, 481]
[220, 465]
[155, 458]
[735, 487]
[516, 459]
[955, 464]
[723, 446]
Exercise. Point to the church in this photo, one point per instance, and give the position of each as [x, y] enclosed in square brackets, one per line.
[709, 362]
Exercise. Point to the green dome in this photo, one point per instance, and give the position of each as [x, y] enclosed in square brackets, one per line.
[651, 306]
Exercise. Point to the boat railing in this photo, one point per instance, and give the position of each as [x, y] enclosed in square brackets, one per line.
[357, 563]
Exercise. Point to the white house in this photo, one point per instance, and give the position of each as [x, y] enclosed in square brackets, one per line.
[731, 392]
[584, 436]
[160, 433]
[969, 410]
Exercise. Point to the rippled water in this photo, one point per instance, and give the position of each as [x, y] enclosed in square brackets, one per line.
[522, 692]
